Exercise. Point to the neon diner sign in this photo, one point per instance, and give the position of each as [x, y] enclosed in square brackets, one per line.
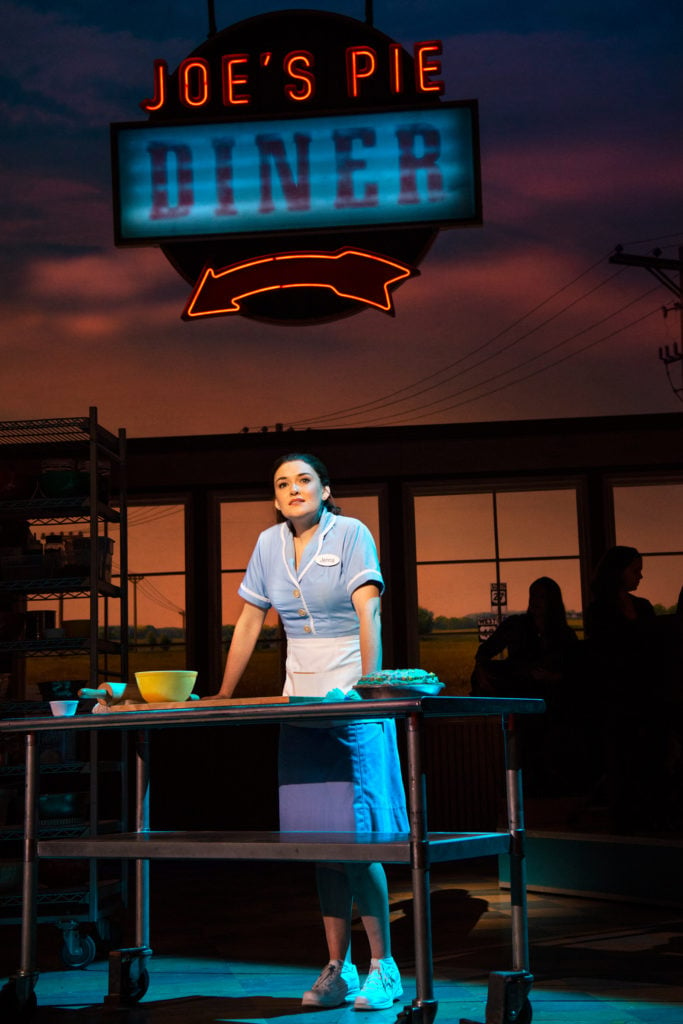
[296, 167]
[238, 76]
[369, 169]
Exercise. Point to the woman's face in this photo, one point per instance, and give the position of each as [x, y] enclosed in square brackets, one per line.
[539, 599]
[299, 492]
[632, 574]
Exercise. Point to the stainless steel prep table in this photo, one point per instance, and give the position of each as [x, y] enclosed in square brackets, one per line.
[128, 978]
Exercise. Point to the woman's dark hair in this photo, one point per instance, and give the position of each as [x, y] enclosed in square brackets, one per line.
[556, 615]
[607, 576]
[318, 467]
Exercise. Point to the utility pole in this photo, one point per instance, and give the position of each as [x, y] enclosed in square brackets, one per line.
[135, 578]
[658, 267]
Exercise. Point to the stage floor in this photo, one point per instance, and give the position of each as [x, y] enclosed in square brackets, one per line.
[241, 942]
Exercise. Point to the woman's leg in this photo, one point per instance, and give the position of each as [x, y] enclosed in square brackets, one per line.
[368, 884]
[338, 885]
[336, 902]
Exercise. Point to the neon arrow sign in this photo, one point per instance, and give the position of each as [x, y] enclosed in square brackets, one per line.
[350, 273]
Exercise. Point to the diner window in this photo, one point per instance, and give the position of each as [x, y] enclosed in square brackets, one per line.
[648, 517]
[241, 523]
[473, 546]
[156, 586]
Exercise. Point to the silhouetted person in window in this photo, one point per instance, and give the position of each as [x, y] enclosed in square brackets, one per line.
[539, 643]
[542, 653]
[627, 661]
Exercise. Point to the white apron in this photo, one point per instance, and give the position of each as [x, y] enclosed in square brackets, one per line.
[316, 665]
[336, 778]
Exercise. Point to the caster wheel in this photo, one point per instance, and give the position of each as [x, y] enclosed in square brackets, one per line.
[135, 988]
[525, 1014]
[82, 955]
[12, 1009]
[508, 997]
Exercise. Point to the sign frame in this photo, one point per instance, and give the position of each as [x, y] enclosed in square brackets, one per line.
[473, 160]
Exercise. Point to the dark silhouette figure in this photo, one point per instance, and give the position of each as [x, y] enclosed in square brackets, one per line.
[542, 655]
[628, 658]
[541, 648]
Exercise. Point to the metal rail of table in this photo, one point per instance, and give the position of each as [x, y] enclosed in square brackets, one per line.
[418, 849]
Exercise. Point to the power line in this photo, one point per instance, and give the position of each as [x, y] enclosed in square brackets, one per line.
[387, 399]
[504, 348]
[542, 369]
[141, 516]
[660, 238]
[153, 594]
[423, 409]
[405, 393]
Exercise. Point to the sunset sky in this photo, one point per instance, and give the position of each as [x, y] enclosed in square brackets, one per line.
[524, 317]
[521, 318]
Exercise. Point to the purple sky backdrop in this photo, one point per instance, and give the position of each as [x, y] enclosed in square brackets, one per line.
[522, 318]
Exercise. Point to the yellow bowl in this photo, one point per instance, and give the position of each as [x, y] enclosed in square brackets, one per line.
[166, 684]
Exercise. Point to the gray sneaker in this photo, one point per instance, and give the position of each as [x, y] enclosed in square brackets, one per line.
[338, 984]
[382, 986]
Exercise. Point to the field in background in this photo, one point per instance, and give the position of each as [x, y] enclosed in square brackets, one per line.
[449, 655]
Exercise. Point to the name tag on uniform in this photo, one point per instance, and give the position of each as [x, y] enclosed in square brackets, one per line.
[328, 560]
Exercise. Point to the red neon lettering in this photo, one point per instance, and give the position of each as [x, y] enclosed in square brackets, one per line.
[159, 153]
[424, 67]
[231, 79]
[306, 79]
[347, 164]
[224, 178]
[271, 149]
[409, 162]
[395, 69]
[159, 94]
[194, 87]
[361, 62]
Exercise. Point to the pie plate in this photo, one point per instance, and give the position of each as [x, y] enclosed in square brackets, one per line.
[383, 691]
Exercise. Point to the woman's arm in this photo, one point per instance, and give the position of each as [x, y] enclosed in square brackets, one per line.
[247, 631]
[495, 644]
[366, 602]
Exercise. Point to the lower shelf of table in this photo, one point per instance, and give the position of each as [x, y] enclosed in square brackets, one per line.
[390, 848]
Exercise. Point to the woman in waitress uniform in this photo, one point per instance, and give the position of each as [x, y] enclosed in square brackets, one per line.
[320, 572]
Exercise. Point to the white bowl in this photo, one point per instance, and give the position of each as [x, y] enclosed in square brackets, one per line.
[62, 708]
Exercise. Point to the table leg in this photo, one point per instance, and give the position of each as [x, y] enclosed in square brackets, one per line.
[508, 991]
[424, 1006]
[17, 997]
[128, 974]
[142, 782]
[515, 810]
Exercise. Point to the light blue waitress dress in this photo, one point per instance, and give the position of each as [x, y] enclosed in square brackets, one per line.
[340, 778]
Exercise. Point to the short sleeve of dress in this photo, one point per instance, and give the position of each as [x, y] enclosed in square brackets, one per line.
[360, 560]
[253, 587]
